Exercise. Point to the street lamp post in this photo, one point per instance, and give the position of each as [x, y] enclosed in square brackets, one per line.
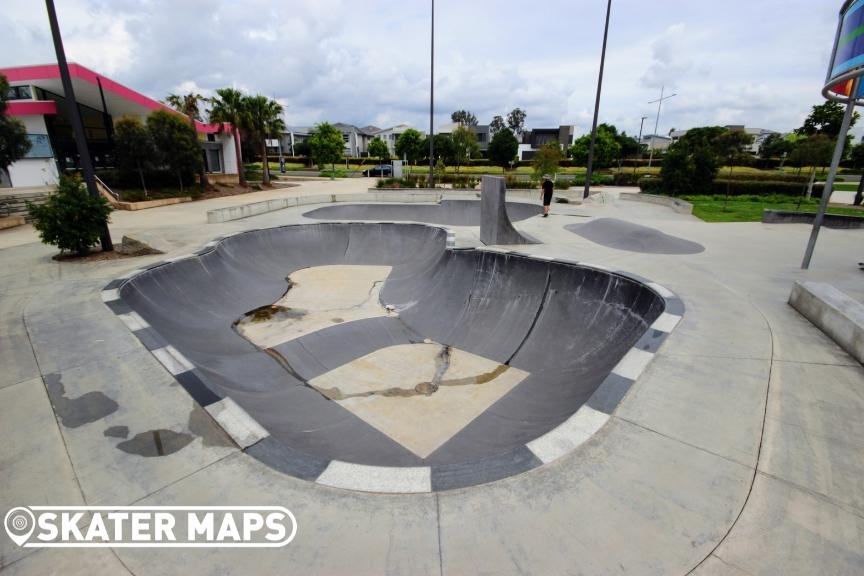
[75, 119]
[657, 123]
[432, 104]
[590, 171]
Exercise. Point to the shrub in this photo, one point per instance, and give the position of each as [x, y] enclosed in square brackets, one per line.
[71, 219]
[737, 188]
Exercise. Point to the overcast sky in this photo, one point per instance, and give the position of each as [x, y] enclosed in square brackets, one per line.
[754, 62]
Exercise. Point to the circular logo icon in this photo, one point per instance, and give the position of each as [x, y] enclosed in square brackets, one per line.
[19, 523]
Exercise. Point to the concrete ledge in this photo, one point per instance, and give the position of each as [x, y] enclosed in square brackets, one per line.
[677, 205]
[833, 312]
[11, 222]
[831, 220]
[132, 206]
[257, 208]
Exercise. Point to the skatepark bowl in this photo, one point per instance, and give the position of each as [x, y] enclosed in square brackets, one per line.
[445, 213]
[375, 345]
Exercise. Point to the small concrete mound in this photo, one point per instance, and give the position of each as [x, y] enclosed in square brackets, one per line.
[623, 235]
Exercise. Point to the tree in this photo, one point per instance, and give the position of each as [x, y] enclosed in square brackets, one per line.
[547, 159]
[856, 157]
[444, 148]
[691, 163]
[775, 146]
[606, 148]
[497, 125]
[133, 148]
[262, 119]
[190, 105]
[814, 151]
[731, 146]
[464, 117]
[327, 146]
[825, 119]
[409, 145]
[516, 120]
[378, 149]
[71, 219]
[14, 143]
[464, 146]
[503, 148]
[175, 143]
[227, 108]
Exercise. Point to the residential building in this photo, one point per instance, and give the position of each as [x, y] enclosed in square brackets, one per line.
[356, 140]
[391, 135]
[759, 135]
[656, 142]
[536, 138]
[37, 99]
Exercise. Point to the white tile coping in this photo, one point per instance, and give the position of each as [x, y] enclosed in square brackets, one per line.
[377, 478]
[633, 363]
[173, 360]
[569, 435]
[242, 428]
[133, 321]
[666, 323]
[110, 295]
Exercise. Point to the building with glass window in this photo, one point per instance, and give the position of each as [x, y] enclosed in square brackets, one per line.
[37, 99]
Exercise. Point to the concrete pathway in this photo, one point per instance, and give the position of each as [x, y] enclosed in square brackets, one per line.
[739, 451]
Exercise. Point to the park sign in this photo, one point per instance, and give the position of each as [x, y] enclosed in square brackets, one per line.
[847, 60]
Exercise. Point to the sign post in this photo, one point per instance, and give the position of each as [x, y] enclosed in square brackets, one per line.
[842, 84]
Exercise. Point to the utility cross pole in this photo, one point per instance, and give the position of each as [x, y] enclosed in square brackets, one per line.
[590, 172]
[657, 123]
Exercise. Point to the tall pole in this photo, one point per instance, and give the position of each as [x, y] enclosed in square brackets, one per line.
[75, 119]
[829, 183]
[590, 172]
[432, 104]
[657, 123]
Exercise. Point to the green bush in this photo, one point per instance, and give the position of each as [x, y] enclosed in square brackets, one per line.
[71, 219]
[764, 177]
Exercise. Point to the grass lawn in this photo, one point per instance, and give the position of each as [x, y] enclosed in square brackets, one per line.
[841, 187]
[749, 208]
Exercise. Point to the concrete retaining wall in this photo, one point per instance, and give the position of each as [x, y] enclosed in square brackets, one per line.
[11, 222]
[145, 204]
[679, 206]
[833, 312]
[257, 208]
[831, 220]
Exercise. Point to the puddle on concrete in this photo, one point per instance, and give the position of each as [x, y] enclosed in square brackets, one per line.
[75, 412]
[274, 313]
[116, 432]
[154, 443]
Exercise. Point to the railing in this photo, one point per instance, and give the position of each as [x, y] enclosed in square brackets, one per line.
[5, 205]
[105, 188]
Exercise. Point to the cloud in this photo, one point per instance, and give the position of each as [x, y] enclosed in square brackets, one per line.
[364, 61]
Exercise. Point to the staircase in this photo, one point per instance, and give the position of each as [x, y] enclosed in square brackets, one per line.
[13, 201]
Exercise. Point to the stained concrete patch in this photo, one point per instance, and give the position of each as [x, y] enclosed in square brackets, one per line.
[75, 412]
[116, 432]
[420, 395]
[623, 235]
[318, 298]
[154, 443]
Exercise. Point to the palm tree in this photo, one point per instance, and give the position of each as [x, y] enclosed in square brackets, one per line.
[189, 104]
[262, 120]
[228, 107]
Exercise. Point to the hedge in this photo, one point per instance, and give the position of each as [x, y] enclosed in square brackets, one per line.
[738, 188]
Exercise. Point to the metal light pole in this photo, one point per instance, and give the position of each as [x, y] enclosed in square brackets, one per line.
[75, 119]
[835, 164]
[657, 123]
[432, 104]
[590, 172]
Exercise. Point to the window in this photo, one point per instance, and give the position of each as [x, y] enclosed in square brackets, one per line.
[19, 93]
[40, 146]
[211, 137]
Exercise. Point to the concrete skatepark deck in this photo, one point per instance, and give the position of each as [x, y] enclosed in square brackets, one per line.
[526, 344]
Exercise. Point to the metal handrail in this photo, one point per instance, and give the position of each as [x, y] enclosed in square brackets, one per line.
[111, 192]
